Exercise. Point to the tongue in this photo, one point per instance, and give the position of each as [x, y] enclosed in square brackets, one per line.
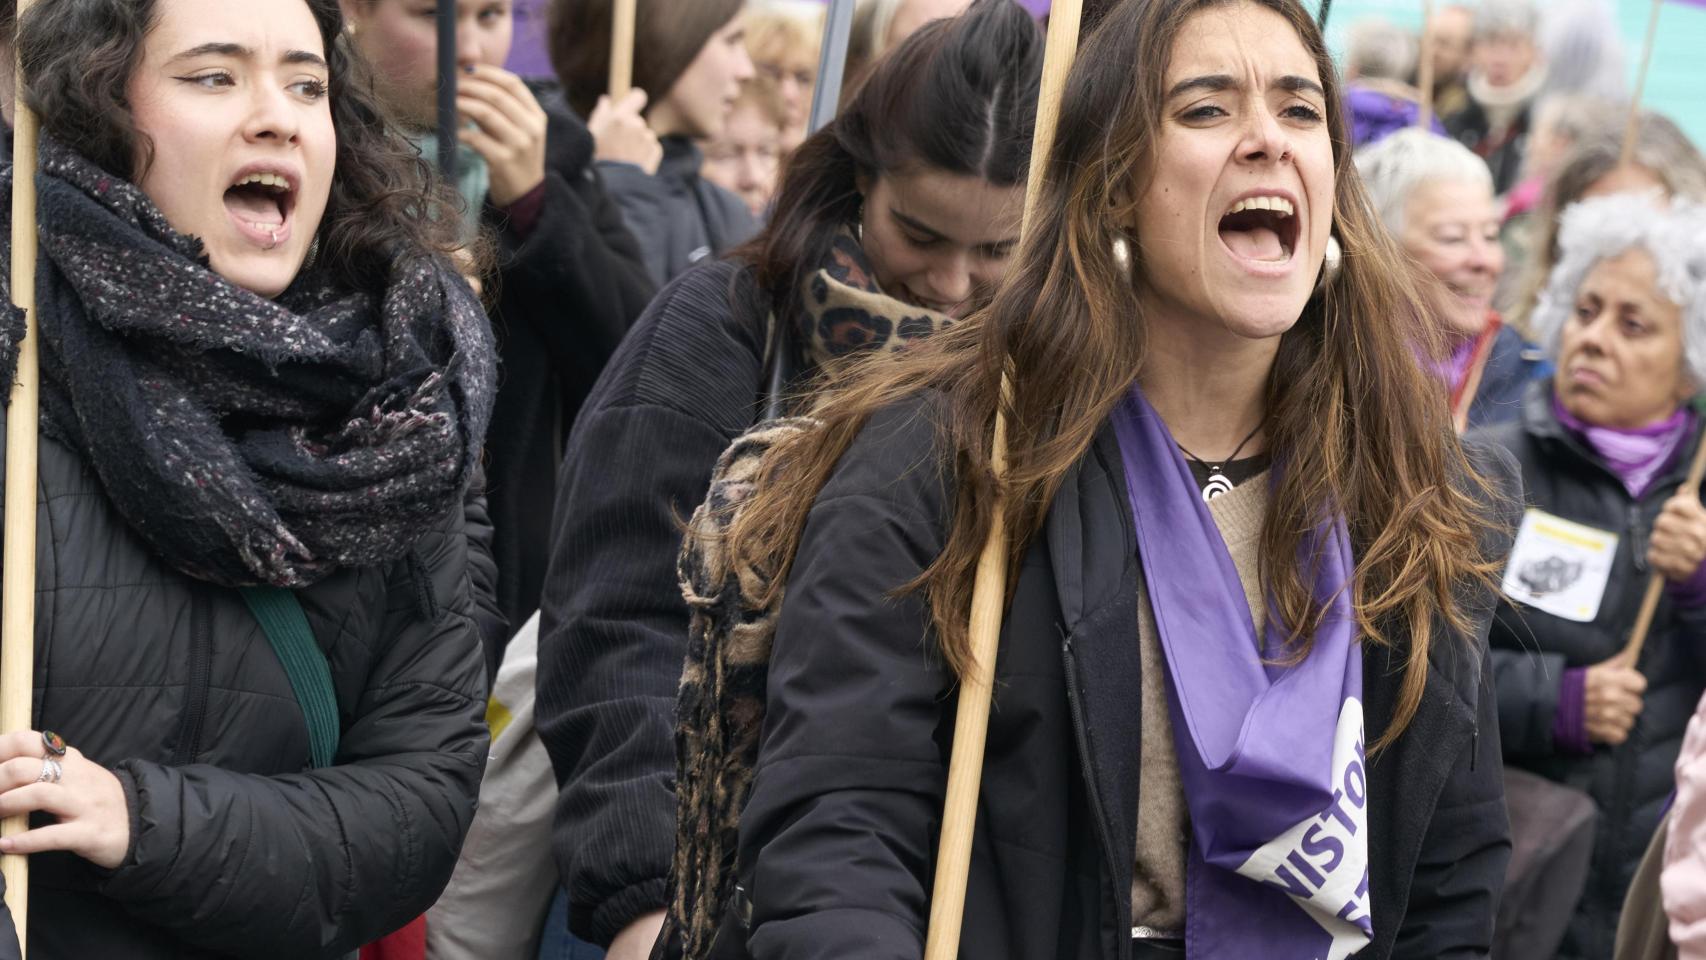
[1256, 243]
[254, 207]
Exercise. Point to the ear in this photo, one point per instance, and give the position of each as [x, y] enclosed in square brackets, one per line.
[355, 12]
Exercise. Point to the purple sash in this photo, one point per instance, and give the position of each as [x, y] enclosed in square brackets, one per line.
[1271, 757]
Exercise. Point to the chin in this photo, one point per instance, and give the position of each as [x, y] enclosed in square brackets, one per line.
[1263, 317]
[262, 279]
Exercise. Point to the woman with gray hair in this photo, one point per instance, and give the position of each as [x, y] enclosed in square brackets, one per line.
[1436, 197]
[1507, 72]
[1604, 449]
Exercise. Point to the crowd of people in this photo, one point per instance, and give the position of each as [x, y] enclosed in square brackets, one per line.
[573, 558]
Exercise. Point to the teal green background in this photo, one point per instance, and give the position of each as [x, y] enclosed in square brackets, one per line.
[1676, 85]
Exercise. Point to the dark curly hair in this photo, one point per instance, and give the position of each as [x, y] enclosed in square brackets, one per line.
[77, 58]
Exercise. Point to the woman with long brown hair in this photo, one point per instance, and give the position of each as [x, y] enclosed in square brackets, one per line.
[893, 221]
[1242, 529]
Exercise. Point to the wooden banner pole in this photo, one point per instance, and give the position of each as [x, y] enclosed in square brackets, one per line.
[622, 17]
[971, 726]
[18, 578]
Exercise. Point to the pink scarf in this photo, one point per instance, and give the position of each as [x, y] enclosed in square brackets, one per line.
[1638, 454]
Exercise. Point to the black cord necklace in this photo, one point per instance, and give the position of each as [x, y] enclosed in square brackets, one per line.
[1218, 483]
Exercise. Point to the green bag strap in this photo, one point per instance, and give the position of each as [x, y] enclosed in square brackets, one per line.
[286, 626]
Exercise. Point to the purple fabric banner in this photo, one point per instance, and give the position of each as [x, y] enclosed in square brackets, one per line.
[1270, 753]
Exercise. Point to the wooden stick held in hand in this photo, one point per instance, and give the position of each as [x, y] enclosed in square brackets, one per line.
[1425, 68]
[1656, 582]
[18, 606]
[1632, 127]
[622, 16]
[971, 726]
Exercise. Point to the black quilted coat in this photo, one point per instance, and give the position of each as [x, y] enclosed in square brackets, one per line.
[238, 849]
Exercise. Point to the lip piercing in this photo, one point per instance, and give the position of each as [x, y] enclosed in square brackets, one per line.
[274, 235]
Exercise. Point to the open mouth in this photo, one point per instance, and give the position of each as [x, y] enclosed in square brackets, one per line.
[1261, 229]
[260, 202]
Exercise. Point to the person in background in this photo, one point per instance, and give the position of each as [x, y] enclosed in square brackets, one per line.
[1437, 200]
[690, 62]
[1664, 161]
[265, 390]
[1453, 25]
[783, 38]
[745, 159]
[1379, 55]
[1507, 73]
[893, 222]
[881, 24]
[570, 276]
[1582, 46]
[1604, 448]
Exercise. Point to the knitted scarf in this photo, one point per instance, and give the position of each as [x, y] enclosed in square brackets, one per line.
[721, 702]
[249, 441]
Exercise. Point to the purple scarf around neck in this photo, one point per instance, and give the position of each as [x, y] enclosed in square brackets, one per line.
[1636, 455]
[1270, 755]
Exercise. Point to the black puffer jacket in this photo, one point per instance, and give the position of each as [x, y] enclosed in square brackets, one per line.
[1531, 650]
[238, 849]
[838, 839]
[568, 290]
[679, 217]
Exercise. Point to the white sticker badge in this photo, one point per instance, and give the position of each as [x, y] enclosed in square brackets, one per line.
[1559, 566]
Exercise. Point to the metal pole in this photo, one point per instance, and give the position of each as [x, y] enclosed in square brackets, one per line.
[831, 64]
[447, 122]
[18, 579]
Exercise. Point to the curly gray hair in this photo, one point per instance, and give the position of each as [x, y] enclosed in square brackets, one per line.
[1606, 227]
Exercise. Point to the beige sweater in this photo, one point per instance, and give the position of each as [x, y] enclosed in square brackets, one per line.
[1163, 824]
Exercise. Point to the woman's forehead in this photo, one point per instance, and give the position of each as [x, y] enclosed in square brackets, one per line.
[1245, 41]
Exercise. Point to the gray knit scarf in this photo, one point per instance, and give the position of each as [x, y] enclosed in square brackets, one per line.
[249, 441]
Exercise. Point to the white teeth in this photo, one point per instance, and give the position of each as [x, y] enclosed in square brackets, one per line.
[272, 180]
[1279, 205]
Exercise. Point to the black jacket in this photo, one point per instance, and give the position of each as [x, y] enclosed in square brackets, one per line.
[1531, 650]
[838, 839]
[238, 849]
[613, 628]
[680, 217]
[568, 290]
[1511, 366]
[1505, 153]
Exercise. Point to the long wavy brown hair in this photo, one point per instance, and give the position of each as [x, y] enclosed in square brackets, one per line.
[1361, 429]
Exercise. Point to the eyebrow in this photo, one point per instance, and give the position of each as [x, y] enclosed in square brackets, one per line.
[238, 51]
[930, 233]
[1290, 83]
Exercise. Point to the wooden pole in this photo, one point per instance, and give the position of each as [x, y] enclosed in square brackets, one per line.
[1656, 582]
[18, 578]
[989, 594]
[622, 50]
[1425, 68]
[1632, 127]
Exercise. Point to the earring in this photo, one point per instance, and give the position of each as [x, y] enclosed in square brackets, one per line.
[1122, 253]
[313, 254]
[1332, 259]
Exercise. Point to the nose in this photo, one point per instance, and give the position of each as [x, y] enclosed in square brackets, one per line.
[1590, 337]
[950, 279]
[271, 116]
[1486, 256]
[746, 169]
[467, 44]
[1265, 141]
[744, 70]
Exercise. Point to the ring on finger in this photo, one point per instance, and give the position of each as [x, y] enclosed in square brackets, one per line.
[51, 771]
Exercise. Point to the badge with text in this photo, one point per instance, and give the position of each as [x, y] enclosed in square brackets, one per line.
[1560, 567]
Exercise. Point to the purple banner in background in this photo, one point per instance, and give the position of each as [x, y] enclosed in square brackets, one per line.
[527, 55]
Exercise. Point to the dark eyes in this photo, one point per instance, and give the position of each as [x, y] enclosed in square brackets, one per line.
[310, 89]
[1302, 113]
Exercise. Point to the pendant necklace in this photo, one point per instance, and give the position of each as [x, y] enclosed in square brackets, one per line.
[1218, 483]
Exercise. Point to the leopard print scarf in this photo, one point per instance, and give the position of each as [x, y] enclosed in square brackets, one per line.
[721, 701]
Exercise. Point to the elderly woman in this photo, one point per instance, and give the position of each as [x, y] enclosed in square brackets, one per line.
[258, 688]
[1604, 449]
[1436, 197]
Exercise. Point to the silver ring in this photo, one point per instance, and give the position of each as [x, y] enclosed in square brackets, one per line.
[51, 771]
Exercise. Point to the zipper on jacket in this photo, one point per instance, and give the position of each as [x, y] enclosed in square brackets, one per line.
[1638, 537]
[1081, 735]
[196, 684]
[1474, 744]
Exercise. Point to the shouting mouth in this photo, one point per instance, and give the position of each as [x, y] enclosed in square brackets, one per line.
[1261, 231]
[260, 201]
